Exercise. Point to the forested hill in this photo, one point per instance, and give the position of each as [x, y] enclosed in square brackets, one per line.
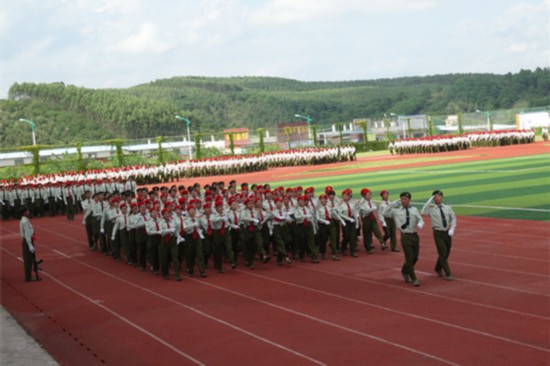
[66, 113]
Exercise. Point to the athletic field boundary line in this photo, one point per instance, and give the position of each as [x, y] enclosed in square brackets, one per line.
[190, 308]
[489, 335]
[115, 314]
[338, 326]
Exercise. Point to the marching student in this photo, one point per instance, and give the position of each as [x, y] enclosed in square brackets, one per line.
[407, 219]
[305, 231]
[281, 234]
[220, 233]
[88, 219]
[119, 234]
[443, 221]
[133, 218]
[193, 242]
[333, 202]
[98, 211]
[250, 235]
[233, 216]
[168, 247]
[139, 222]
[152, 227]
[387, 221]
[346, 211]
[367, 208]
[325, 218]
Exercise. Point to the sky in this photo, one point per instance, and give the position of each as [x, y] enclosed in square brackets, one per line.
[121, 43]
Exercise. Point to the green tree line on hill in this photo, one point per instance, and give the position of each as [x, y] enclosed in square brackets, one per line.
[65, 113]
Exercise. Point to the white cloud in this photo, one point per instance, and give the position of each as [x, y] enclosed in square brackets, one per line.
[119, 43]
[290, 11]
[146, 40]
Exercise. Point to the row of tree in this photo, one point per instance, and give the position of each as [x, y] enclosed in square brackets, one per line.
[66, 113]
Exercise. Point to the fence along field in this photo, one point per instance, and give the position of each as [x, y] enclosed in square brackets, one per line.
[500, 188]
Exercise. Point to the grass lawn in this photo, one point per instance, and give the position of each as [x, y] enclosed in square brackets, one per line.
[516, 187]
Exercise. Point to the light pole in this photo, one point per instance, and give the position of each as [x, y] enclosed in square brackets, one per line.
[33, 127]
[188, 123]
[489, 122]
[308, 119]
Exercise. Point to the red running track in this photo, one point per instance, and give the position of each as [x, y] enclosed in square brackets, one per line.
[92, 310]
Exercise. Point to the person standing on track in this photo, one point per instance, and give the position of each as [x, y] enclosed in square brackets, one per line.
[27, 234]
[444, 225]
[407, 219]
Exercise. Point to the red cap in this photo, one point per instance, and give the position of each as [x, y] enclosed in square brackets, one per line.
[364, 191]
[323, 196]
[383, 192]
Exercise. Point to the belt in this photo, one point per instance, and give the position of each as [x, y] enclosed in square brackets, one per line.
[410, 234]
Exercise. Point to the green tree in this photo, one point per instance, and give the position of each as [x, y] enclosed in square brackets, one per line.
[197, 137]
[340, 127]
[261, 144]
[231, 136]
[160, 150]
[79, 160]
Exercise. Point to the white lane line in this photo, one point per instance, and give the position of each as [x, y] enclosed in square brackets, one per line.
[349, 329]
[221, 321]
[465, 280]
[117, 315]
[523, 235]
[438, 171]
[489, 335]
[502, 269]
[326, 322]
[379, 283]
[500, 255]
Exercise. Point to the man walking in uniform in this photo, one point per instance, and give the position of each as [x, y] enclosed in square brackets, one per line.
[443, 224]
[407, 219]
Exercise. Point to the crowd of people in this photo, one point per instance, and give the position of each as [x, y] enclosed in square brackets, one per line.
[443, 143]
[188, 227]
[501, 137]
[429, 144]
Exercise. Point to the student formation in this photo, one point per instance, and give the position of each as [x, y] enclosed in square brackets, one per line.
[240, 224]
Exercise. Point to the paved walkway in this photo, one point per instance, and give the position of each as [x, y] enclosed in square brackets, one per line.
[17, 348]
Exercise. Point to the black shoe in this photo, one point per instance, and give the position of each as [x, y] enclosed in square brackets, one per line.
[439, 273]
[203, 275]
[395, 250]
[407, 278]
[233, 265]
[265, 259]
[355, 255]
[335, 258]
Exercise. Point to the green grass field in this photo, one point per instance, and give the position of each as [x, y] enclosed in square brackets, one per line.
[516, 187]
